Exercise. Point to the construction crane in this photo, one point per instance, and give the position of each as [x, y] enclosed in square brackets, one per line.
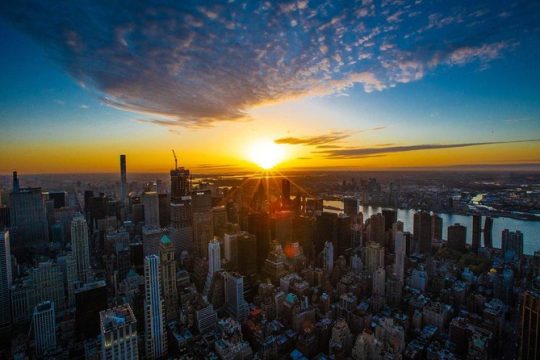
[175, 160]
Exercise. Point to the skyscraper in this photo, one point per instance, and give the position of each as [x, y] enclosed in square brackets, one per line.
[203, 227]
[512, 241]
[214, 257]
[285, 193]
[436, 227]
[373, 256]
[28, 219]
[154, 317]
[529, 348]
[422, 232]
[151, 208]
[488, 232]
[123, 180]
[476, 232]
[5, 281]
[168, 278]
[118, 328]
[87, 312]
[79, 245]
[44, 327]
[400, 248]
[350, 206]
[234, 296]
[328, 257]
[181, 200]
[457, 235]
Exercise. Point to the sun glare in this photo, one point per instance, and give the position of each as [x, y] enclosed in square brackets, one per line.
[266, 154]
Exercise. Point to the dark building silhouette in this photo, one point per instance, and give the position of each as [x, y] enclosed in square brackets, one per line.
[530, 329]
[350, 206]
[259, 225]
[488, 232]
[90, 299]
[59, 198]
[422, 232]
[457, 237]
[343, 235]
[325, 230]
[285, 193]
[390, 217]
[436, 227]
[476, 232]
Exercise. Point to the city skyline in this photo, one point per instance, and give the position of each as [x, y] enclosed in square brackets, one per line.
[352, 85]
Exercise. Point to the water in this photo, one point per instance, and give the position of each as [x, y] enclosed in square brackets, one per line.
[530, 229]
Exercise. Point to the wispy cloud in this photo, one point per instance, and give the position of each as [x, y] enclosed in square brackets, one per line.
[196, 63]
[313, 140]
[369, 151]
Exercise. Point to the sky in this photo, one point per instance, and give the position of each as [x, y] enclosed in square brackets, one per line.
[330, 84]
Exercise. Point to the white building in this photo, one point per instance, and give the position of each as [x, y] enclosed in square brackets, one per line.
[118, 334]
[5, 280]
[214, 257]
[154, 315]
[44, 327]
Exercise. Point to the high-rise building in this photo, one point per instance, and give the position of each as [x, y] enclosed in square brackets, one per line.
[214, 257]
[457, 237]
[476, 232]
[390, 217]
[488, 232]
[422, 231]
[379, 285]
[234, 296]
[285, 193]
[118, 334]
[69, 270]
[400, 249]
[529, 348]
[44, 327]
[436, 227]
[375, 229]
[168, 278]
[373, 256]
[123, 180]
[28, 219]
[154, 317]
[79, 246]
[47, 282]
[87, 312]
[328, 257]
[151, 208]
[5, 280]
[247, 253]
[350, 206]
[259, 225]
[512, 241]
[203, 227]
[151, 239]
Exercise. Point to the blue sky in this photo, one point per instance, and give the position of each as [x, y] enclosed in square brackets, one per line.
[418, 72]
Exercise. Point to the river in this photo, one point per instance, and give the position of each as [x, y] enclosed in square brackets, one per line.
[529, 228]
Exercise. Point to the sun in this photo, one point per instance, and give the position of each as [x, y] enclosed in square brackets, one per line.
[266, 154]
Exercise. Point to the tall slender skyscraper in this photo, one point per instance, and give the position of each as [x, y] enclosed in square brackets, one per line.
[422, 232]
[154, 317]
[214, 257]
[123, 179]
[476, 232]
[328, 257]
[44, 327]
[457, 237]
[79, 246]
[488, 232]
[400, 248]
[5, 280]
[168, 277]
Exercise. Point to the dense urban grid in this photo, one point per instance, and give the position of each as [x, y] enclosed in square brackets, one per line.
[269, 267]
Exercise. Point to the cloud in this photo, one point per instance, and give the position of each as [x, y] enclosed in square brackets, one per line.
[369, 151]
[313, 140]
[197, 63]
[324, 141]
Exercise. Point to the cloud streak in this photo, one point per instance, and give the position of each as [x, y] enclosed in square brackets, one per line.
[197, 63]
[353, 153]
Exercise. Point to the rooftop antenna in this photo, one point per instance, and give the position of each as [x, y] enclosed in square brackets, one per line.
[175, 160]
